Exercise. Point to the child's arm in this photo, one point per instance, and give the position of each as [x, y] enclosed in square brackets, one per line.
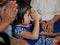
[35, 33]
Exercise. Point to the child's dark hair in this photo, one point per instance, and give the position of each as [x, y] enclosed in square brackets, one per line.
[6, 39]
[22, 9]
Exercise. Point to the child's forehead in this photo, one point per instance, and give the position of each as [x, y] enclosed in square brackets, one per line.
[28, 12]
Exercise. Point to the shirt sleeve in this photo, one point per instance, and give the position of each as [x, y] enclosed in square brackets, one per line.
[58, 7]
[18, 30]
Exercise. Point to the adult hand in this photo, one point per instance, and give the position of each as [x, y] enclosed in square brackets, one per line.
[8, 13]
[50, 25]
[44, 26]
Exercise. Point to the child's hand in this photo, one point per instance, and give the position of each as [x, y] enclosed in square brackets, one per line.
[34, 14]
[8, 13]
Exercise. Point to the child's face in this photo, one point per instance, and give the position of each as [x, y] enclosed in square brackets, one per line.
[27, 17]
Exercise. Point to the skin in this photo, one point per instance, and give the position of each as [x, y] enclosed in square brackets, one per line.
[48, 29]
[20, 42]
[51, 23]
[34, 34]
[48, 26]
[2, 1]
[7, 18]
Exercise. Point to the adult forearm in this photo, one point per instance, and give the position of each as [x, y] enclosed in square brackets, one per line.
[3, 26]
[56, 18]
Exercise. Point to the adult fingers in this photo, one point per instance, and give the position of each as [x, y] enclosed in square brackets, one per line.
[2, 11]
[14, 11]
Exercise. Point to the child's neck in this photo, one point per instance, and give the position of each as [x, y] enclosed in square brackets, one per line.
[26, 25]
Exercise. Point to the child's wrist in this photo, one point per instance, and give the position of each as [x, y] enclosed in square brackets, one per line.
[36, 21]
